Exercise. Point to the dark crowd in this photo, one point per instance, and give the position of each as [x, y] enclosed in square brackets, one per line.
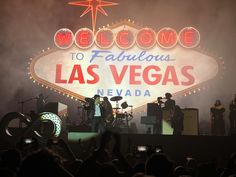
[54, 158]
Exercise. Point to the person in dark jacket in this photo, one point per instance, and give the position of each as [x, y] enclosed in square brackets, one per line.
[177, 121]
[217, 115]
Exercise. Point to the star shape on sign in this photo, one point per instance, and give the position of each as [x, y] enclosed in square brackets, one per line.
[93, 6]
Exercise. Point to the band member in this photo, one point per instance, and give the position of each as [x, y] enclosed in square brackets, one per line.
[232, 115]
[40, 103]
[108, 112]
[159, 116]
[96, 113]
[217, 114]
[177, 121]
[169, 103]
[169, 106]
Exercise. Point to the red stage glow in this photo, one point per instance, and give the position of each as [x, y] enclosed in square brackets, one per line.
[94, 6]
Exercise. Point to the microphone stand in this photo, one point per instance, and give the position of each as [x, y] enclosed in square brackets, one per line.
[22, 108]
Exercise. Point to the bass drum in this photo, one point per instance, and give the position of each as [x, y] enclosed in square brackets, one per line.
[120, 115]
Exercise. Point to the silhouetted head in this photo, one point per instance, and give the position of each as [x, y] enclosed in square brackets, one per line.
[97, 99]
[159, 166]
[6, 172]
[168, 95]
[96, 96]
[232, 161]
[139, 175]
[108, 170]
[217, 103]
[207, 169]
[159, 99]
[180, 170]
[105, 98]
[42, 163]
[11, 159]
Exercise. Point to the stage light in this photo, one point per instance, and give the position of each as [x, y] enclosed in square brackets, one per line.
[55, 119]
[5, 131]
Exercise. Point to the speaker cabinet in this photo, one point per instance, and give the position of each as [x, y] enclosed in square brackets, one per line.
[151, 109]
[190, 122]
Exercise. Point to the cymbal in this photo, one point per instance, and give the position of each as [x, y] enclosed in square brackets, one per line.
[124, 105]
[89, 100]
[116, 98]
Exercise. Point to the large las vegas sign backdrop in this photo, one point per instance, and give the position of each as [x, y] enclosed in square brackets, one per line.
[123, 59]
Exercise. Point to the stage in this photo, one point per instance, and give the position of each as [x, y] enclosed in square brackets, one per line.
[178, 148]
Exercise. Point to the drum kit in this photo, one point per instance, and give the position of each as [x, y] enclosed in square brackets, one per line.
[121, 116]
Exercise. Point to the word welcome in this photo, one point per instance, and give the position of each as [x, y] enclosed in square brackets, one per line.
[144, 38]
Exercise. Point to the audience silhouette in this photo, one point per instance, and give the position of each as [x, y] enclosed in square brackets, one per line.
[56, 159]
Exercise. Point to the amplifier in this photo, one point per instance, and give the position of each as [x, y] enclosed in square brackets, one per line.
[148, 120]
[56, 108]
[151, 109]
[190, 121]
